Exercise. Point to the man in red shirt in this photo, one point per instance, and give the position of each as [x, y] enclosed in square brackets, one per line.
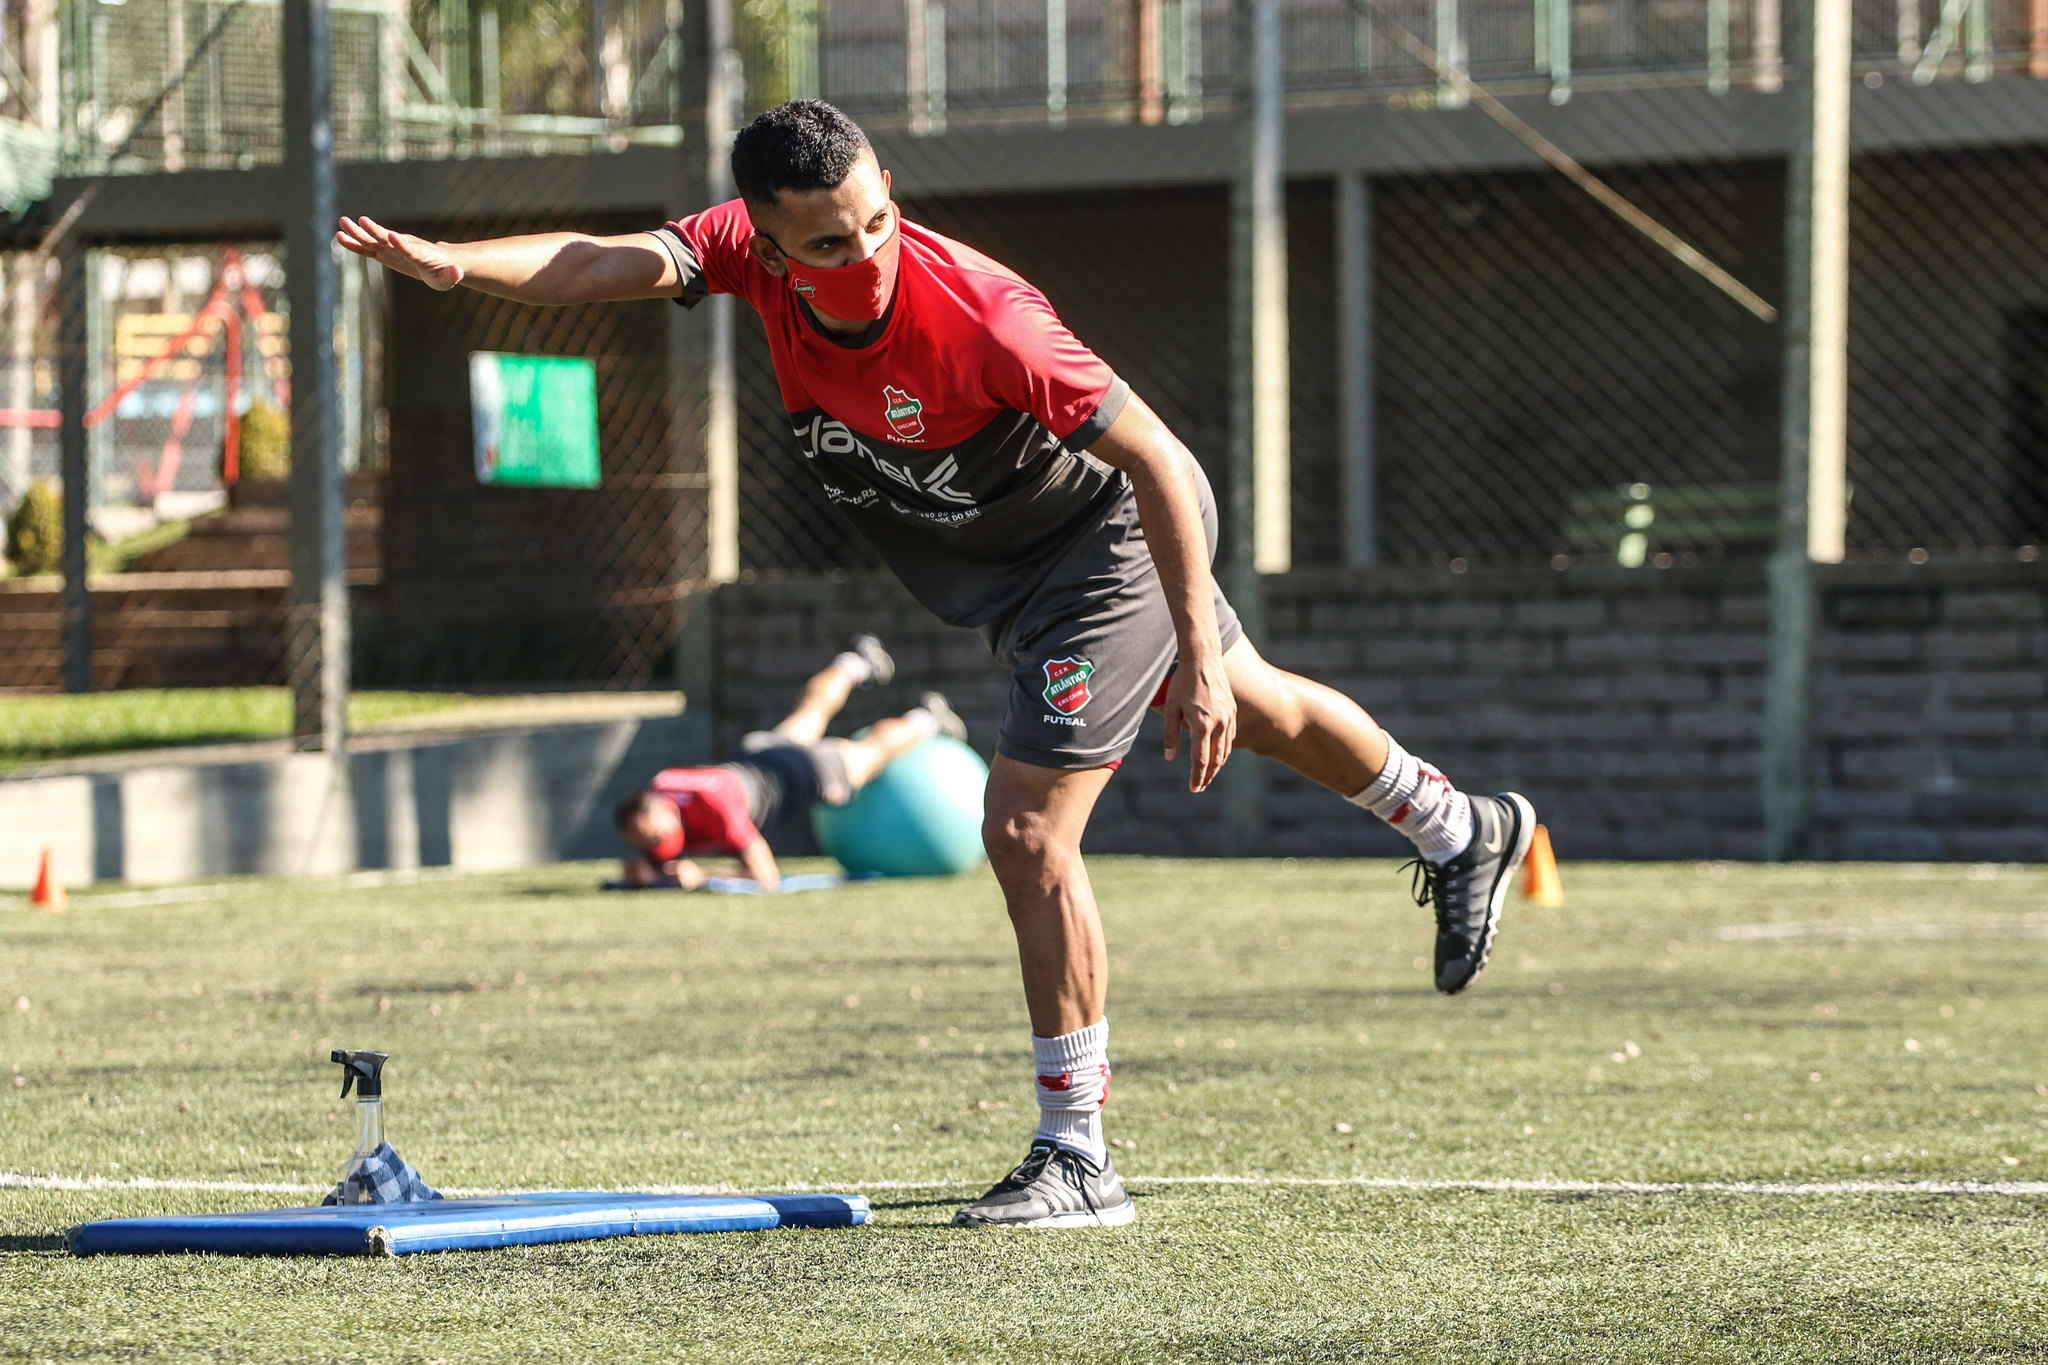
[718, 812]
[1017, 486]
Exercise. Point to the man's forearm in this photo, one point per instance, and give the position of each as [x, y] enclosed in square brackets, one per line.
[758, 861]
[1170, 511]
[1163, 480]
[547, 268]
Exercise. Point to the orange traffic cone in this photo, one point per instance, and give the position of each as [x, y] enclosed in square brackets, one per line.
[49, 892]
[1540, 882]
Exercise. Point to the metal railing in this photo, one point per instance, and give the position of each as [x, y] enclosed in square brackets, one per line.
[419, 81]
[439, 78]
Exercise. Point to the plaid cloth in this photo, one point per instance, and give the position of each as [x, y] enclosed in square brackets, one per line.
[388, 1179]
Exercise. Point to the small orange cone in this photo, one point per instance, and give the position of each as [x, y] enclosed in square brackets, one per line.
[49, 892]
[1540, 883]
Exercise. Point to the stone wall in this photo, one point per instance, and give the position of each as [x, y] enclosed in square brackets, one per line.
[1625, 704]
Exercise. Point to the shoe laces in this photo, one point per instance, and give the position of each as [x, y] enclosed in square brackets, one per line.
[1031, 1167]
[1431, 887]
[1070, 1168]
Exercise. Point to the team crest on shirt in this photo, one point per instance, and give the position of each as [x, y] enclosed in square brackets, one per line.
[1066, 684]
[905, 414]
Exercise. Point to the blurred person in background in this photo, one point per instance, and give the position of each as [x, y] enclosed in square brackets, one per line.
[718, 811]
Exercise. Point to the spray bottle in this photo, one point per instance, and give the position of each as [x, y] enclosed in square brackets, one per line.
[365, 1072]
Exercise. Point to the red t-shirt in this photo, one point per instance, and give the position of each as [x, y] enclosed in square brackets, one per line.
[713, 806]
[954, 433]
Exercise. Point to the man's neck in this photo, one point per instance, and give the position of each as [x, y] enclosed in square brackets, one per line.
[839, 327]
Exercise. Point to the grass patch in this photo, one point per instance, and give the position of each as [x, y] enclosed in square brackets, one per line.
[118, 556]
[544, 1036]
[42, 729]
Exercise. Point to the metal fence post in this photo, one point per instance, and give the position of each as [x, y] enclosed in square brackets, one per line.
[1355, 398]
[704, 406]
[1559, 51]
[935, 66]
[1717, 46]
[318, 644]
[1149, 67]
[72, 303]
[1183, 61]
[1257, 532]
[802, 39]
[1056, 62]
[1452, 47]
[1814, 409]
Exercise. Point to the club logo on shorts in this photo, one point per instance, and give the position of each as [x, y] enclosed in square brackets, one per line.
[1066, 684]
[905, 414]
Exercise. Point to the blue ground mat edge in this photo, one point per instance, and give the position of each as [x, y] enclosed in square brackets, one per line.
[460, 1224]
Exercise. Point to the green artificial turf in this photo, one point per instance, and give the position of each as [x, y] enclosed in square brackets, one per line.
[41, 729]
[1887, 1024]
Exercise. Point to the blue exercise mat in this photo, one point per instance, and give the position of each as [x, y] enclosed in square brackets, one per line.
[463, 1224]
[746, 886]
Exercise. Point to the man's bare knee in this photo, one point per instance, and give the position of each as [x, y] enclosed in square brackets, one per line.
[1024, 847]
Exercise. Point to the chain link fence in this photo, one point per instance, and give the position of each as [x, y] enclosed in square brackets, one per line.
[1543, 384]
[412, 79]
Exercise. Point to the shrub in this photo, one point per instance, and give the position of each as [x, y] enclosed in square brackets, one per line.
[35, 533]
[266, 443]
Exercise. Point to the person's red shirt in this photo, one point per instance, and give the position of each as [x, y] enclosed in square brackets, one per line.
[713, 805]
[953, 434]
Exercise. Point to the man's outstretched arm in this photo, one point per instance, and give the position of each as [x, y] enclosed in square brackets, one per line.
[757, 860]
[1198, 700]
[548, 267]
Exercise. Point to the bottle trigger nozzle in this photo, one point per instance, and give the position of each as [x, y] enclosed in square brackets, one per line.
[362, 1070]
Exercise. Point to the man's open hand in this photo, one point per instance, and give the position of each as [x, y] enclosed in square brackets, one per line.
[1199, 702]
[684, 873]
[400, 251]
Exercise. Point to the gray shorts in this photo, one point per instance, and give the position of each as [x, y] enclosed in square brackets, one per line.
[783, 776]
[1092, 645]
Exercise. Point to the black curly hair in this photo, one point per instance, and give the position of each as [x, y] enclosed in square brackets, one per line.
[802, 145]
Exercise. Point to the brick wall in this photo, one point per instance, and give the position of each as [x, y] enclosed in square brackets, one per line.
[1627, 705]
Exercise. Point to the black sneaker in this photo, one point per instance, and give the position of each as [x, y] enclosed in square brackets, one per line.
[1053, 1188]
[882, 668]
[950, 724]
[1469, 890]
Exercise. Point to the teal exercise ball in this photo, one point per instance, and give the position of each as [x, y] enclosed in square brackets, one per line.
[920, 817]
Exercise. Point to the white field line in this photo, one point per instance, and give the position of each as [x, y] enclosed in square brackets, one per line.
[1999, 1188]
[204, 892]
[2011, 926]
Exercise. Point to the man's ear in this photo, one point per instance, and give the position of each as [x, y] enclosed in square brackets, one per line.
[768, 254]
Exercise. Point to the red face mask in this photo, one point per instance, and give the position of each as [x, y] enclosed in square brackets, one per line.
[670, 845]
[669, 848]
[859, 292]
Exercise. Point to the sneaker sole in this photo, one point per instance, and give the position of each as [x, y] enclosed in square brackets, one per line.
[1504, 879]
[882, 662]
[1120, 1216]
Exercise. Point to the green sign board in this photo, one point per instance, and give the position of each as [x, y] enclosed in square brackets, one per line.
[535, 420]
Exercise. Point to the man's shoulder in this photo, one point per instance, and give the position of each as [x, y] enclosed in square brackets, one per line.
[984, 287]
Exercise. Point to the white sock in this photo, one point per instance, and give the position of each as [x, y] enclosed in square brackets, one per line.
[1419, 801]
[856, 669]
[1073, 1085]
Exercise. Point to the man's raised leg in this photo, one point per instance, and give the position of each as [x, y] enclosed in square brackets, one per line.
[1034, 819]
[1469, 846]
[892, 737]
[826, 691]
